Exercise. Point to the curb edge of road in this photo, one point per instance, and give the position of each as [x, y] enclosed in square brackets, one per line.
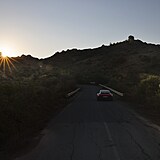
[113, 90]
[72, 93]
[147, 122]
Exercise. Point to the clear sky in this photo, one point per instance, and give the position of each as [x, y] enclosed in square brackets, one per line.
[43, 27]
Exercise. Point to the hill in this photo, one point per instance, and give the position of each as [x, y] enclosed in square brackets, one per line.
[33, 89]
[121, 65]
[123, 61]
[131, 66]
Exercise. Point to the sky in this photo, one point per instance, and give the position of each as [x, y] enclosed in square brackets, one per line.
[43, 27]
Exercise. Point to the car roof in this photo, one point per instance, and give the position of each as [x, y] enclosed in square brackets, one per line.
[104, 90]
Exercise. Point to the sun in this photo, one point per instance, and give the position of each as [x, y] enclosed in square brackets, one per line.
[4, 55]
[6, 60]
[6, 52]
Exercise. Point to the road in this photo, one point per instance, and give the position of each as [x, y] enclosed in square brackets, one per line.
[91, 130]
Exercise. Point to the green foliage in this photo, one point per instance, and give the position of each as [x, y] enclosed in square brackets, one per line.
[143, 89]
[26, 105]
[150, 85]
[148, 90]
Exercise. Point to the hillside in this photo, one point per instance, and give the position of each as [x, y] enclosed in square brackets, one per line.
[131, 66]
[125, 62]
[33, 89]
[122, 61]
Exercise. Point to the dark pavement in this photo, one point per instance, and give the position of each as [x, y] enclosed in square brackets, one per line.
[91, 130]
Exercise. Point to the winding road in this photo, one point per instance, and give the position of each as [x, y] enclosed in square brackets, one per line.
[91, 130]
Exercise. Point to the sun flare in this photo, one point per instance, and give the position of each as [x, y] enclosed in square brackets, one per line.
[6, 61]
[6, 52]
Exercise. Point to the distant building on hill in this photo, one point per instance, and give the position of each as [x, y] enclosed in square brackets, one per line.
[130, 38]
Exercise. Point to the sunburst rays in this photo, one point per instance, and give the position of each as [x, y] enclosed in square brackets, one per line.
[6, 64]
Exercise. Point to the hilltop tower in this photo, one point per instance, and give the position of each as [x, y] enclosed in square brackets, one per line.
[131, 39]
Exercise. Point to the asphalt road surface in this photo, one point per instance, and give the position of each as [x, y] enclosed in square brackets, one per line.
[91, 130]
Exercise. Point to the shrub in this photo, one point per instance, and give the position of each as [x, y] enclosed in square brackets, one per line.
[26, 105]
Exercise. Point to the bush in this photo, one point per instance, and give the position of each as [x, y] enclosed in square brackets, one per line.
[26, 105]
[149, 86]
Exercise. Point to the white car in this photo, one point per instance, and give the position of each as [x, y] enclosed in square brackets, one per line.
[104, 95]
